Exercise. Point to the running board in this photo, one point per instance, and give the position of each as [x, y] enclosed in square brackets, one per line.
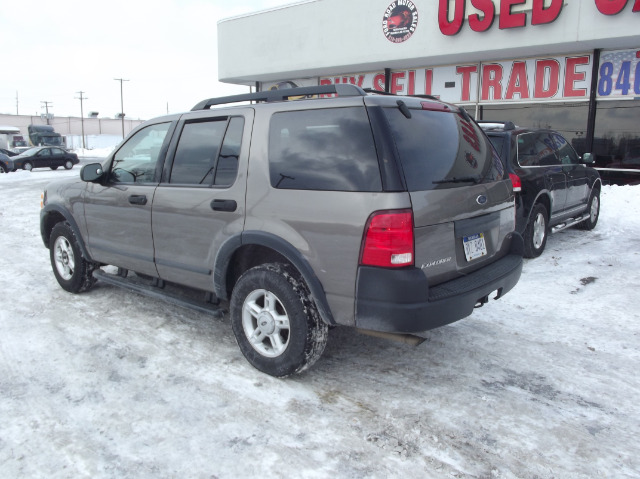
[159, 292]
[573, 222]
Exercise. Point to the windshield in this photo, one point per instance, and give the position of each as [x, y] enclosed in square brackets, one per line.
[31, 151]
[442, 150]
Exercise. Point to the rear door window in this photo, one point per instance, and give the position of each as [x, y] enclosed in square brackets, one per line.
[207, 153]
[442, 150]
[323, 149]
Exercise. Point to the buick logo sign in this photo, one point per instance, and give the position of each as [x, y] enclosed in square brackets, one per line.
[481, 200]
[400, 21]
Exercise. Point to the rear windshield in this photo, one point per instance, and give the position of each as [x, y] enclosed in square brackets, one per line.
[442, 150]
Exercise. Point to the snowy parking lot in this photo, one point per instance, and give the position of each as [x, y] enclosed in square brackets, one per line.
[541, 384]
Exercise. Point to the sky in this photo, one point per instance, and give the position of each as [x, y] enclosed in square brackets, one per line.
[165, 49]
[542, 383]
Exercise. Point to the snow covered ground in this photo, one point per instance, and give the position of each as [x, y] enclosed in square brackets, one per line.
[540, 384]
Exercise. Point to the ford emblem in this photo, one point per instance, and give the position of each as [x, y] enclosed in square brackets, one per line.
[481, 200]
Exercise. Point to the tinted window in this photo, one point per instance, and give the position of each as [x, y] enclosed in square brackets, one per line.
[227, 166]
[136, 160]
[197, 151]
[330, 149]
[536, 149]
[564, 150]
[437, 147]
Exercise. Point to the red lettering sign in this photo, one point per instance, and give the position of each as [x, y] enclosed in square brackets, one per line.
[412, 83]
[508, 19]
[518, 83]
[469, 134]
[611, 7]
[541, 15]
[378, 82]
[428, 81]
[571, 76]
[466, 72]
[492, 80]
[547, 74]
[451, 27]
[636, 7]
[396, 85]
[483, 24]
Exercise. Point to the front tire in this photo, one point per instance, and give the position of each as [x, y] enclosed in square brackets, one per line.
[275, 321]
[27, 166]
[536, 232]
[73, 272]
[594, 212]
[3, 169]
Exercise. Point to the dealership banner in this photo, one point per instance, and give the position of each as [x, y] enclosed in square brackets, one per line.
[619, 74]
[560, 78]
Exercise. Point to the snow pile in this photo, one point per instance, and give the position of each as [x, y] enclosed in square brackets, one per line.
[542, 383]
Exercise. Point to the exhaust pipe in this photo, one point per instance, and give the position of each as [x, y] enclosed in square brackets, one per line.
[410, 339]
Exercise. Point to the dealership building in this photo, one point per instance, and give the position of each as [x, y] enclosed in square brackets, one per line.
[569, 65]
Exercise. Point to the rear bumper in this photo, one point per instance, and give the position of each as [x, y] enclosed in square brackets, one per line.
[401, 301]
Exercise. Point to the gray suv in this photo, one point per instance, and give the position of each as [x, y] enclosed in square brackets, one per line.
[385, 213]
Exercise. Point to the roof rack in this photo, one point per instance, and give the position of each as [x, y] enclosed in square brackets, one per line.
[497, 125]
[427, 97]
[342, 89]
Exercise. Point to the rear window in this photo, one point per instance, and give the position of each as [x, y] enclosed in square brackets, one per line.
[323, 149]
[442, 150]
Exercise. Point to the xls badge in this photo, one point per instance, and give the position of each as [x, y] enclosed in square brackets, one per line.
[400, 21]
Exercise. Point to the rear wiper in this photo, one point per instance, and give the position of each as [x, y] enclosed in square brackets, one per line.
[459, 179]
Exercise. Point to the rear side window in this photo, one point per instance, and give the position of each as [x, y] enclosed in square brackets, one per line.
[442, 150]
[207, 153]
[325, 149]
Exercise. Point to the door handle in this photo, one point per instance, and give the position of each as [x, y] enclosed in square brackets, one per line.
[224, 205]
[138, 199]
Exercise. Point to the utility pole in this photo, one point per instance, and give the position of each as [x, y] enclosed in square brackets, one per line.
[121, 103]
[82, 116]
[46, 107]
[17, 103]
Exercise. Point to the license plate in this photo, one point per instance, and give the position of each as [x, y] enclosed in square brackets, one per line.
[474, 246]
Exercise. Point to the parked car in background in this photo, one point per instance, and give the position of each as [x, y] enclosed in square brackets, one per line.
[45, 157]
[6, 163]
[4, 151]
[555, 189]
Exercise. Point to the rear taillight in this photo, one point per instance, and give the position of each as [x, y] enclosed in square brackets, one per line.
[515, 181]
[388, 239]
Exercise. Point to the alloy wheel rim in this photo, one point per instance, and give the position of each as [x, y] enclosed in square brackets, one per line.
[539, 230]
[64, 258]
[265, 323]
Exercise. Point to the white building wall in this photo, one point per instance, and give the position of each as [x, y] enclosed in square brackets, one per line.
[331, 37]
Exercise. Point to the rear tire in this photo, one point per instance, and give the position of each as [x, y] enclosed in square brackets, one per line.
[536, 232]
[53, 167]
[68, 165]
[275, 321]
[73, 272]
[594, 212]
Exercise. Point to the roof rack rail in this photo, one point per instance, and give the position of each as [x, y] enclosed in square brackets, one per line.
[505, 125]
[427, 97]
[342, 89]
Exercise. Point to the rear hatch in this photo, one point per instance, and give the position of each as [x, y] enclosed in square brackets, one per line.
[462, 199]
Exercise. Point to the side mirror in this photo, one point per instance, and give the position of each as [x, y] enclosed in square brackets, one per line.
[91, 172]
[588, 158]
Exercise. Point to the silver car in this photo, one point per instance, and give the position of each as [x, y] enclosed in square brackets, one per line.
[384, 213]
